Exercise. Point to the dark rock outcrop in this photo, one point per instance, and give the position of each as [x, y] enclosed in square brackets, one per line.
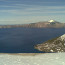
[54, 45]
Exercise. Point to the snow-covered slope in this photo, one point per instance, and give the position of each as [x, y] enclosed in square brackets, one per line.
[51, 21]
[40, 59]
[63, 37]
[53, 45]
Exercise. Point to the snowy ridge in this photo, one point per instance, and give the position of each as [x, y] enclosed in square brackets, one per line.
[41, 59]
[51, 21]
[63, 37]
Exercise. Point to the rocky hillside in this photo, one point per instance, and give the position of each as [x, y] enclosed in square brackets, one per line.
[44, 24]
[53, 45]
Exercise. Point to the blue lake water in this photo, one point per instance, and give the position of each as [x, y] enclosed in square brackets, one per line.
[22, 40]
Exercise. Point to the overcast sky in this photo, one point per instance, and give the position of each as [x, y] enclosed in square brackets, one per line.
[30, 11]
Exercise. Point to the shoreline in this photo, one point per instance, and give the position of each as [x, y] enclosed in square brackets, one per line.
[28, 54]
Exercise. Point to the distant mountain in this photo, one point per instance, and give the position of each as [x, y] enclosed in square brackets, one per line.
[53, 45]
[44, 24]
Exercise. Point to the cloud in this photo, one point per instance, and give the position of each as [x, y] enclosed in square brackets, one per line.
[10, 0]
[34, 10]
[32, 19]
[46, 8]
[30, 12]
[2, 0]
[30, 7]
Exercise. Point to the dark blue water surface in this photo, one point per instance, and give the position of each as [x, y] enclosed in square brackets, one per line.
[22, 40]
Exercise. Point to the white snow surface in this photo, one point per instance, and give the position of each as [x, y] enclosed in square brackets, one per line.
[51, 21]
[63, 37]
[39, 59]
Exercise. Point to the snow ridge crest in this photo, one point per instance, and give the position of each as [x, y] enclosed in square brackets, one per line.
[51, 21]
[63, 37]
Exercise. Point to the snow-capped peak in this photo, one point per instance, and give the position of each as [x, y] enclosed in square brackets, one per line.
[51, 21]
[63, 37]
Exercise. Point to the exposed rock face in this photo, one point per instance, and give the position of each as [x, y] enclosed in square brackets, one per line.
[46, 24]
[54, 45]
